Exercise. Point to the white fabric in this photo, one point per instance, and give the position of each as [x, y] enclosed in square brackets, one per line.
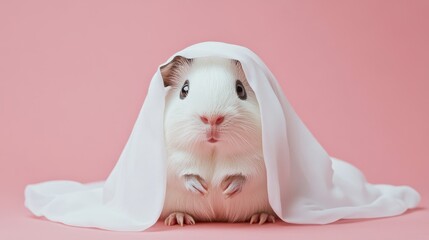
[305, 185]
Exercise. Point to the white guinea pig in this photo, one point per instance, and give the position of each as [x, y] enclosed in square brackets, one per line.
[215, 165]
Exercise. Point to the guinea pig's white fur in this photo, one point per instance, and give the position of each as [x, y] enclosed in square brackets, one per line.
[238, 151]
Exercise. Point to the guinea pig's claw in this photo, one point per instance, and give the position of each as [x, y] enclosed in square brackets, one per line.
[179, 218]
[262, 218]
[195, 183]
[233, 184]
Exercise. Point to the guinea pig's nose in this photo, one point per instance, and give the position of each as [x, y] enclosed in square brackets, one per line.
[212, 120]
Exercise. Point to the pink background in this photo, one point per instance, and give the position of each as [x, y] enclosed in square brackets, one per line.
[73, 75]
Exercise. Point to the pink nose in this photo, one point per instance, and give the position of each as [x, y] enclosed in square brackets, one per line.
[212, 120]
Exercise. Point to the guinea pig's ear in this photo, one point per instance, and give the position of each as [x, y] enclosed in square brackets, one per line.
[237, 64]
[240, 69]
[171, 71]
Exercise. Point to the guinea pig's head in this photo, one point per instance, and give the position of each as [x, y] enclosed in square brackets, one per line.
[210, 106]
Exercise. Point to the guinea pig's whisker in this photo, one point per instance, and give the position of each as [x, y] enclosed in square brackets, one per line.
[243, 139]
[234, 141]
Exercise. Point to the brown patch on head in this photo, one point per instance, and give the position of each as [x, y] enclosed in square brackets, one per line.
[172, 70]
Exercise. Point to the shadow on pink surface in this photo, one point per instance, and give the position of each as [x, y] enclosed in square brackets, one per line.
[410, 225]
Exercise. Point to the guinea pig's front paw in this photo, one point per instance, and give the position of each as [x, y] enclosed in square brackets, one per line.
[232, 185]
[262, 218]
[195, 183]
[179, 218]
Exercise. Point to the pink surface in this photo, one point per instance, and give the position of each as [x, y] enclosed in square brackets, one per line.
[73, 75]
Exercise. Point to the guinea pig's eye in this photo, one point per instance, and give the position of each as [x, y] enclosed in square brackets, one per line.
[185, 90]
[241, 91]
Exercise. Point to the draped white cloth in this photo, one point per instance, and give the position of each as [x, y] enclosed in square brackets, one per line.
[305, 184]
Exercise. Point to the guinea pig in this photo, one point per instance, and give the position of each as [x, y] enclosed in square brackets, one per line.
[212, 127]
